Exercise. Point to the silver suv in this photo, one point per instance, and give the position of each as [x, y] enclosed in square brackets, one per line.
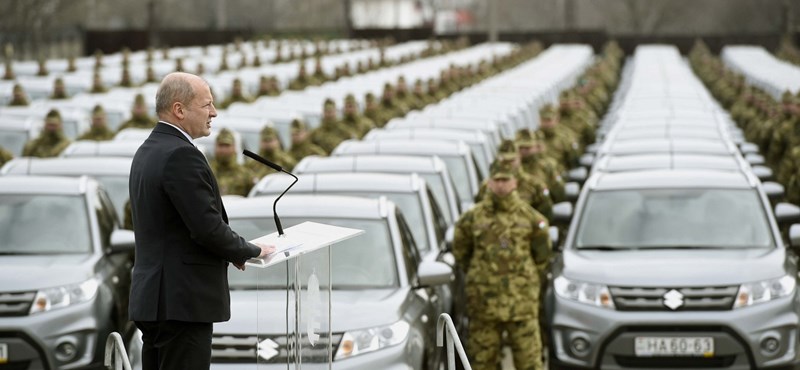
[674, 269]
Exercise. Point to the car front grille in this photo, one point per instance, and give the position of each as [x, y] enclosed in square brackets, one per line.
[683, 299]
[275, 349]
[16, 304]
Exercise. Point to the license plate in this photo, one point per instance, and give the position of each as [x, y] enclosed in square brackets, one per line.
[3, 353]
[674, 346]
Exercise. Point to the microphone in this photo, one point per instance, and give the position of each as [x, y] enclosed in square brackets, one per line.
[275, 167]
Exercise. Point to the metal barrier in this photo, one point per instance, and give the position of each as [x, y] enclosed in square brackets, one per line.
[116, 356]
[446, 328]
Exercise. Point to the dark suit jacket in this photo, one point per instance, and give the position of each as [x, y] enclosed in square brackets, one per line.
[183, 241]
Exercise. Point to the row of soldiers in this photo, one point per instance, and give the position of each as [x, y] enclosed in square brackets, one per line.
[773, 125]
[502, 244]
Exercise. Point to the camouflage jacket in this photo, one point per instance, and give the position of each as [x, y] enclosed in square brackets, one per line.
[301, 150]
[97, 134]
[232, 178]
[503, 246]
[44, 147]
[328, 135]
[141, 122]
[279, 157]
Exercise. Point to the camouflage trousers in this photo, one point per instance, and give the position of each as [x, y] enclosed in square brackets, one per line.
[485, 341]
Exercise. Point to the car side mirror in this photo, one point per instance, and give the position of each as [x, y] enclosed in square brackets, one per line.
[794, 236]
[787, 213]
[748, 148]
[754, 159]
[571, 191]
[432, 273]
[578, 175]
[122, 241]
[562, 212]
[592, 148]
[587, 160]
[763, 173]
[773, 190]
[554, 240]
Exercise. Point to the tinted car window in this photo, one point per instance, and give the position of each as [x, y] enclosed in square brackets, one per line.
[436, 184]
[716, 218]
[439, 223]
[410, 254]
[117, 188]
[43, 224]
[458, 169]
[363, 262]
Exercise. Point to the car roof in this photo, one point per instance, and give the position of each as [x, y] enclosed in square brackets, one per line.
[43, 185]
[316, 206]
[644, 146]
[96, 166]
[426, 133]
[88, 148]
[666, 160]
[399, 146]
[341, 181]
[665, 179]
[371, 163]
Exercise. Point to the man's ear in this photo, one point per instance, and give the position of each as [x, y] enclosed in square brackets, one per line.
[178, 110]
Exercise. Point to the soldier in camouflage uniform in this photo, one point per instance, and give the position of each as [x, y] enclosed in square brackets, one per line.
[503, 246]
[270, 148]
[421, 95]
[319, 77]
[302, 81]
[237, 95]
[51, 141]
[576, 115]
[5, 156]
[301, 144]
[783, 136]
[268, 86]
[139, 116]
[59, 90]
[97, 84]
[374, 112]
[150, 74]
[19, 98]
[126, 80]
[403, 96]
[390, 105]
[532, 190]
[99, 130]
[352, 120]
[232, 177]
[330, 133]
[434, 91]
[559, 140]
[537, 164]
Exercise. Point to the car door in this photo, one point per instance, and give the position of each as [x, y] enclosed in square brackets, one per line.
[118, 264]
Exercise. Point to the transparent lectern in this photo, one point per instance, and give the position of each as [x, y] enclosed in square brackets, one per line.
[284, 321]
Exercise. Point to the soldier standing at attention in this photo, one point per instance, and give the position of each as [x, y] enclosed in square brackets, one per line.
[237, 95]
[354, 121]
[18, 99]
[503, 246]
[301, 145]
[139, 116]
[330, 133]
[232, 177]
[99, 130]
[59, 90]
[270, 148]
[51, 140]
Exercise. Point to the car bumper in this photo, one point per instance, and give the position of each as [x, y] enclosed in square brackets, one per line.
[32, 339]
[738, 336]
[391, 358]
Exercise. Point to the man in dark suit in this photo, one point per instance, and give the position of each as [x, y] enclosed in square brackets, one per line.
[183, 241]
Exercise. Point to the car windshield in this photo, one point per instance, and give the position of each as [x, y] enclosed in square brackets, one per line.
[13, 141]
[365, 261]
[436, 184]
[458, 171]
[43, 224]
[117, 188]
[673, 218]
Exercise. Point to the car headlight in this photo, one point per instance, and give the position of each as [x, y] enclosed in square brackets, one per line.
[593, 294]
[764, 291]
[358, 342]
[64, 296]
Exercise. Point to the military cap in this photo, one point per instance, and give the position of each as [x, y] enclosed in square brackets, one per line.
[53, 113]
[548, 112]
[350, 98]
[526, 137]
[225, 136]
[501, 170]
[387, 86]
[329, 103]
[98, 109]
[268, 133]
[507, 150]
[17, 88]
[298, 125]
[139, 99]
[369, 97]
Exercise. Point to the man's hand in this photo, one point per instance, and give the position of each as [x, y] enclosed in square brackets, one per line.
[266, 249]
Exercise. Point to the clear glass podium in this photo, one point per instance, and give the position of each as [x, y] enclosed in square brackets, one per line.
[291, 312]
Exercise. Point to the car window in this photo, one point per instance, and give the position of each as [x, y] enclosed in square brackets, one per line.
[363, 262]
[44, 224]
[117, 188]
[436, 184]
[410, 254]
[460, 176]
[664, 218]
[439, 223]
[106, 219]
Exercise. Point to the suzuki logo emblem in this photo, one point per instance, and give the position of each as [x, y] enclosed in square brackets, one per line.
[673, 299]
[267, 349]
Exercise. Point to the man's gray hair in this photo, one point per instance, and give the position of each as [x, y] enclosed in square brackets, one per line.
[174, 88]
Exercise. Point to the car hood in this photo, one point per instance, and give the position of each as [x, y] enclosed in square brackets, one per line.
[681, 267]
[350, 309]
[27, 273]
